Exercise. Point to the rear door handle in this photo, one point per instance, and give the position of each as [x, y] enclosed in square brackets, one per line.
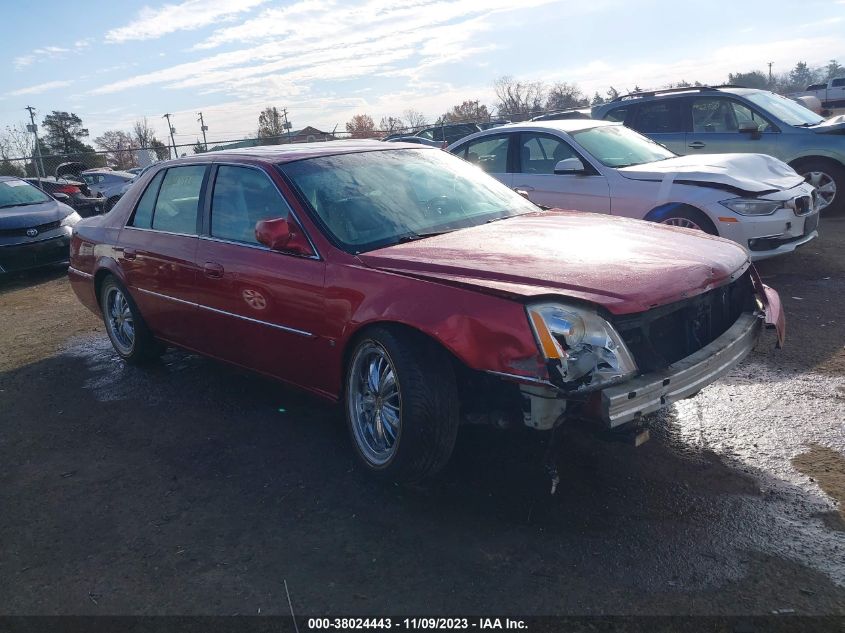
[213, 270]
[696, 145]
[129, 253]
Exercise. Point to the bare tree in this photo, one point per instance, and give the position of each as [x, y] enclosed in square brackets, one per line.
[414, 119]
[563, 95]
[16, 141]
[519, 99]
[361, 126]
[120, 148]
[391, 124]
[143, 133]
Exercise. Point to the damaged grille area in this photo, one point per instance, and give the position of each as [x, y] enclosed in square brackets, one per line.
[659, 337]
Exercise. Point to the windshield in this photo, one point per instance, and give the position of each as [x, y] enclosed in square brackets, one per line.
[373, 199]
[619, 146]
[785, 109]
[17, 193]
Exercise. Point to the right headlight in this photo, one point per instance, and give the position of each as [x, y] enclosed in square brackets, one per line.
[752, 206]
[583, 348]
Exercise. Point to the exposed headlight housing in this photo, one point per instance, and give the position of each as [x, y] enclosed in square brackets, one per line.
[752, 206]
[70, 220]
[583, 350]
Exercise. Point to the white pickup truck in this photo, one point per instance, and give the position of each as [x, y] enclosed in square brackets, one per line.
[831, 95]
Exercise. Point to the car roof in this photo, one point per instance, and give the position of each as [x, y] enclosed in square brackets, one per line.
[670, 93]
[300, 151]
[560, 125]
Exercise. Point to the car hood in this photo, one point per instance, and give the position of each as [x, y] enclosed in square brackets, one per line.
[32, 215]
[624, 265]
[833, 125]
[743, 173]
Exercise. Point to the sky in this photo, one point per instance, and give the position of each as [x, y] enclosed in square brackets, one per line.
[326, 60]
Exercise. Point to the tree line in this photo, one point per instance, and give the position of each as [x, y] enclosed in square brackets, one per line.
[519, 100]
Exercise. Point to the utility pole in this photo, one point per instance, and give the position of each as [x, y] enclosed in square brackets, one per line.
[204, 129]
[172, 132]
[34, 129]
[286, 124]
[770, 71]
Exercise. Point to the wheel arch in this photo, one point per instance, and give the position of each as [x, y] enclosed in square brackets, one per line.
[105, 267]
[663, 211]
[821, 156]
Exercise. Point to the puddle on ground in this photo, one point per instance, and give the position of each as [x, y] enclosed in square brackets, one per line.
[788, 431]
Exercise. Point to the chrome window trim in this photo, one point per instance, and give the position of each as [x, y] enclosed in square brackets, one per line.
[258, 247]
[283, 328]
[138, 228]
[71, 269]
[281, 195]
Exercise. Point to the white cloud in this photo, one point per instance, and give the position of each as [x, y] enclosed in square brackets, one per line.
[328, 41]
[185, 16]
[38, 89]
[48, 52]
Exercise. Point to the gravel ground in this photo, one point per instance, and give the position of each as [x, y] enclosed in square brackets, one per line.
[194, 488]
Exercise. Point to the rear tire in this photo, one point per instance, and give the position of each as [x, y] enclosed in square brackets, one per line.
[828, 178]
[129, 334]
[401, 405]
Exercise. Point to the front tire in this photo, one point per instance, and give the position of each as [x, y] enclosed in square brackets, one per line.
[125, 326]
[401, 405]
[829, 180]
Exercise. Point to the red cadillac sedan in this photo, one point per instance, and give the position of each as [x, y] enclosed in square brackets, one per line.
[417, 291]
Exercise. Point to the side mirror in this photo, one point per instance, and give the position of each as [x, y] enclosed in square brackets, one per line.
[523, 193]
[62, 197]
[569, 166]
[282, 235]
[749, 127]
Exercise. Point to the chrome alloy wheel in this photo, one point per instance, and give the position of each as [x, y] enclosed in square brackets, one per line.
[119, 321]
[682, 222]
[375, 403]
[825, 186]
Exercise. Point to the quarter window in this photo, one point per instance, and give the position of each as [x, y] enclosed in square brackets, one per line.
[659, 117]
[489, 153]
[618, 115]
[243, 197]
[178, 200]
[143, 217]
[540, 153]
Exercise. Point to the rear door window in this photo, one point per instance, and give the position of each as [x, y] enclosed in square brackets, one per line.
[178, 200]
[490, 153]
[658, 117]
[617, 115]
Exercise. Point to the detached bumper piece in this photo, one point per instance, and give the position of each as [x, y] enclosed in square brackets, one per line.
[682, 379]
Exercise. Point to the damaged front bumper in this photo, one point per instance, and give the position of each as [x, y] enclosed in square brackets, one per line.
[648, 393]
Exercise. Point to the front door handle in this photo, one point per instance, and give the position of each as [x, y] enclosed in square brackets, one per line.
[696, 145]
[524, 188]
[213, 270]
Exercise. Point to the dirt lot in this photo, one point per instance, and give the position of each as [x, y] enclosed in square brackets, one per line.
[193, 488]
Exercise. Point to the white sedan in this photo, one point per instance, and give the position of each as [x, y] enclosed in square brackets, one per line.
[604, 167]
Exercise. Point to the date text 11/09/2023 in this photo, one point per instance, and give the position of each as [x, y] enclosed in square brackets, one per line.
[417, 623]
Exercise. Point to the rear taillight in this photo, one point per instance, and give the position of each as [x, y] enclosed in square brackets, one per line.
[68, 190]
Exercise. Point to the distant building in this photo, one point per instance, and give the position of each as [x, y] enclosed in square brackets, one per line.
[308, 134]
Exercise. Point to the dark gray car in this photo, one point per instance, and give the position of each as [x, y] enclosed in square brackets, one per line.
[35, 228]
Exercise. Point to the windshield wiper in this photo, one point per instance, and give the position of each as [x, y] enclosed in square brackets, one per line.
[17, 204]
[413, 237]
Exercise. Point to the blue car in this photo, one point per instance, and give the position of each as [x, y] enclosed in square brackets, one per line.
[719, 120]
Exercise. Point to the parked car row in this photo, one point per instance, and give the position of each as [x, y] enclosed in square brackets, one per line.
[420, 293]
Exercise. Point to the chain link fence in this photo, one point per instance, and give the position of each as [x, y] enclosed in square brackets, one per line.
[134, 157]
